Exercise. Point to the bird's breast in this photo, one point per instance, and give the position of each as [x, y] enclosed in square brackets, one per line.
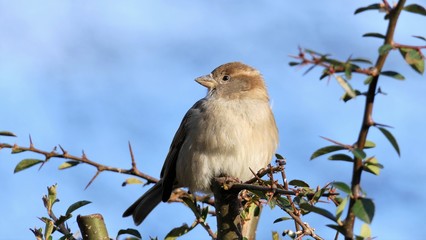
[226, 138]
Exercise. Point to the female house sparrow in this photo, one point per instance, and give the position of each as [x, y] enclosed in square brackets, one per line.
[226, 133]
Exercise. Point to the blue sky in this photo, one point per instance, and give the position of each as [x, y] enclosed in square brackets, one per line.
[94, 75]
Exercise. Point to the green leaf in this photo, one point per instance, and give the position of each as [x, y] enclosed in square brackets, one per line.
[370, 7]
[415, 8]
[364, 209]
[177, 232]
[373, 166]
[365, 231]
[76, 206]
[326, 150]
[7, 133]
[341, 207]
[414, 58]
[368, 80]
[377, 35]
[384, 49]
[346, 96]
[68, 164]
[391, 139]
[26, 163]
[320, 211]
[282, 219]
[420, 37]
[293, 64]
[131, 181]
[348, 71]
[393, 75]
[358, 153]
[190, 203]
[341, 157]
[129, 231]
[299, 183]
[279, 156]
[62, 219]
[346, 86]
[48, 229]
[361, 60]
[16, 149]
[275, 236]
[338, 228]
[342, 187]
[50, 199]
[369, 144]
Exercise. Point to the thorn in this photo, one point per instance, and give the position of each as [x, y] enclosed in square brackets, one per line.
[42, 164]
[382, 125]
[83, 156]
[337, 143]
[31, 142]
[132, 157]
[63, 150]
[93, 179]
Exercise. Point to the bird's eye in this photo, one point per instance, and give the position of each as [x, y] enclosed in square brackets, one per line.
[226, 78]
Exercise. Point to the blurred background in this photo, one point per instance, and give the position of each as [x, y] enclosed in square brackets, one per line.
[94, 75]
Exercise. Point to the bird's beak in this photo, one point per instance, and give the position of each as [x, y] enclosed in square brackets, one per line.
[207, 81]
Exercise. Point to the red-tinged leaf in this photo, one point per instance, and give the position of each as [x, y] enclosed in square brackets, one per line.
[320, 211]
[391, 139]
[341, 157]
[299, 183]
[414, 58]
[377, 35]
[364, 209]
[26, 163]
[7, 133]
[76, 206]
[375, 6]
[129, 231]
[342, 187]
[326, 150]
[68, 164]
[415, 8]
[393, 75]
[384, 49]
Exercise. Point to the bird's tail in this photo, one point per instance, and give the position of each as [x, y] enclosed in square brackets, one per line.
[145, 204]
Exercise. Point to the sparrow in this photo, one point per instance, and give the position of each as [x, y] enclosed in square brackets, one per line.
[228, 132]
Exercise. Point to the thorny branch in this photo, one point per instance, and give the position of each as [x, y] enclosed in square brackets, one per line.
[269, 186]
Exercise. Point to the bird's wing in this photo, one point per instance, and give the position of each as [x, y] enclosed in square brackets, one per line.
[168, 173]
